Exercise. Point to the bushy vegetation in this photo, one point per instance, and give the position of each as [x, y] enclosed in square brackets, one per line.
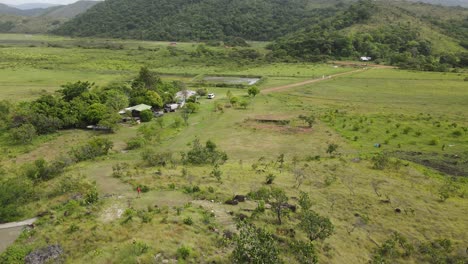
[94, 148]
[255, 245]
[208, 154]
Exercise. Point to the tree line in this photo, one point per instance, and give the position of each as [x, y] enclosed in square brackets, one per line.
[79, 104]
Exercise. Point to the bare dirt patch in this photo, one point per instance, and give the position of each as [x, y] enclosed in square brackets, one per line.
[456, 165]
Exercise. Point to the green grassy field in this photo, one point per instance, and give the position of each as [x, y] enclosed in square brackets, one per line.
[354, 111]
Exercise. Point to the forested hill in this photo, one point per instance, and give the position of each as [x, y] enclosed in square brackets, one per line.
[417, 36]
[197, 19]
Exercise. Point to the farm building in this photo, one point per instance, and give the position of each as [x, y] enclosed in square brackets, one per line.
[136, 110]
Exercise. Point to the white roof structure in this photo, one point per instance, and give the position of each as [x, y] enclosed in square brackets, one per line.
[138, 108]
[185, 94]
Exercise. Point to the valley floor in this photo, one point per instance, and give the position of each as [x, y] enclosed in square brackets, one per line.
[412, 116]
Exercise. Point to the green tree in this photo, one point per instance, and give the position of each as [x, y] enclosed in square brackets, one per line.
[116, 100]
[253, 91]
[148, 78]
[95, 113]
[152, 98]
[110, 120]
[304, 252]
[255, 246]
[315, 226]
[277, 200]
[304, 201]
[71, 90]
[234, 100]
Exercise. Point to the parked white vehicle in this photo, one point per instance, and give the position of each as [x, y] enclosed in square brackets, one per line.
[211, 96]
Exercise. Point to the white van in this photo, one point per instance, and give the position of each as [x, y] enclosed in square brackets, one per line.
[211, 96]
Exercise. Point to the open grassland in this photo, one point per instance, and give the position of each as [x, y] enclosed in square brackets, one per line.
[183, 205]
[33, 64]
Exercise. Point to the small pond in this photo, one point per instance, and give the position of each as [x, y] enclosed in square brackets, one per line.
[231, 80]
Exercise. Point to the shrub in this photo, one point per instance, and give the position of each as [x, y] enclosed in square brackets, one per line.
[24, 134]
[178, 121]
[310, 120]
[41, 170]
[457, 133]
[207, 154]
[332, 148]
[188, 221]
[270, 178]
[253, 91]
[15, 254]
[92, 196]
[216, 173]
[146, 115]
[153, 158]
[183, 252]
[202, 92]
[94, 148]
[261, 194]
[149, 132]
[234, 101]
[406, 130]
[380, 161]
[243, 104]
[192, 107]
[433, 142]
[135, 143]
[139, 248]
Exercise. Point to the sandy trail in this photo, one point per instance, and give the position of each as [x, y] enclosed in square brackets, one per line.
[284, 87]
[18, 224]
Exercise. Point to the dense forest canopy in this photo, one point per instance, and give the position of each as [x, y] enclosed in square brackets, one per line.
[196, 20]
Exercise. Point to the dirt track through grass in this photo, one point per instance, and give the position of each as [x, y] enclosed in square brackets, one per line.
[284, 87]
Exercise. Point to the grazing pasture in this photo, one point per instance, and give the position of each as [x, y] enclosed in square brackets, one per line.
[319, 139]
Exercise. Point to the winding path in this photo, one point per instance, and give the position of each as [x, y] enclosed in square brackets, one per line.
[18, 224]
[284, 87]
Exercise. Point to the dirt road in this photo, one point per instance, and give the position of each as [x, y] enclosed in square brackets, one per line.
[18, 224]
[284, 87]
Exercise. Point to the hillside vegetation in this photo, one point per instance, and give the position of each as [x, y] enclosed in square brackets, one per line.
[39, 20]
[411, 35]
[416, 36]
[196, 20]
[318, 189]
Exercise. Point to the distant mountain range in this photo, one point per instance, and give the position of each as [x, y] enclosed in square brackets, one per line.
[30, 19]
[28, 6]
[463, 3]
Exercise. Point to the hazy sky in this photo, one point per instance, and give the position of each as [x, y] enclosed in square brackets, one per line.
[19, 2]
